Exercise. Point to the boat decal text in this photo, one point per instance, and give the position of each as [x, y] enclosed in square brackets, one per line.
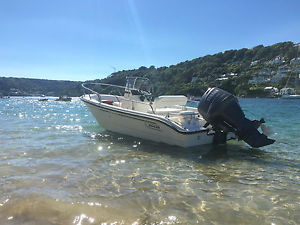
[152, 125]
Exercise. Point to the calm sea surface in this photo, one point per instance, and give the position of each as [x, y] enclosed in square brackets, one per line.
[58, 166]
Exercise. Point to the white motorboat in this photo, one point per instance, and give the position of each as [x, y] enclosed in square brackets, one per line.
[167, 119]
[289, 93]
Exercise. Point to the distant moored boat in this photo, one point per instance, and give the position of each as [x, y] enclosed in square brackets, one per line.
[64, 98]
[43, 99]
[289, 93]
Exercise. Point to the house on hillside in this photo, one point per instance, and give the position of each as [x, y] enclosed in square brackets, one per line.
[297, 45]
[14, 91]
[283, 69]
[258, 80]
[282, 72]
[262, 76]
[222, 78]
[225, 76]
[264, 73]
[277, 60]
[296, 70]
[271, 90]
[295, 61]
[254, 63]
[295, 65]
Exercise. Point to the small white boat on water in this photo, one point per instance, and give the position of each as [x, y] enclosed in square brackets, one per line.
[64, 98]
[289, 93]
[167, 119]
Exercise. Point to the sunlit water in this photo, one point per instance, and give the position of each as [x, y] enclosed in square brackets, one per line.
[58, 166]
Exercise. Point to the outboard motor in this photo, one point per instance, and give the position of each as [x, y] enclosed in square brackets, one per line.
[222, 110]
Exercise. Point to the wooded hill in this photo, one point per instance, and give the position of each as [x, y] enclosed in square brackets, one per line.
[238, 66]
[35, 87]
[230, 70]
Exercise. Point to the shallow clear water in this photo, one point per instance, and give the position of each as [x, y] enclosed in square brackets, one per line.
[58, 166]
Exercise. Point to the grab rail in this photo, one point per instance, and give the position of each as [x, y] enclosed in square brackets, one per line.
[113, 85]
[95, 92]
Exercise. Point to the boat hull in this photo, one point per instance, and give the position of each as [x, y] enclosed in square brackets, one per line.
[290, 97]
[145, 127]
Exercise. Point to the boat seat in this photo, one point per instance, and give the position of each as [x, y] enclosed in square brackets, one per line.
[169, 101]
[167, 111]
[188, 113]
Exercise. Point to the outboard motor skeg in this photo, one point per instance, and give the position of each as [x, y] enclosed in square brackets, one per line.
[222, 110]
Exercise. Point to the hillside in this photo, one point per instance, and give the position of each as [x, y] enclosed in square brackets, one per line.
[243, 72]
[26, 87]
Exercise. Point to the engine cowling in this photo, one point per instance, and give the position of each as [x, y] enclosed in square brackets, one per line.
[222, 110]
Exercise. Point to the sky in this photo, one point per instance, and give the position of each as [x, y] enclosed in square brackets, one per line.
[83, 40]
